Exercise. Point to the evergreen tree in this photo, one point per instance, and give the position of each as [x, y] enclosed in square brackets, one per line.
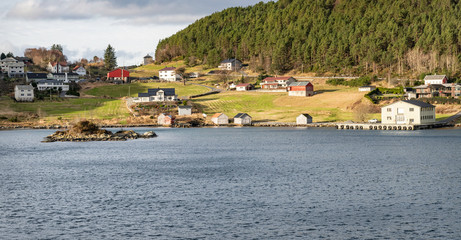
[57, 47]
[3, 56]
[9, 54]
[110, 60]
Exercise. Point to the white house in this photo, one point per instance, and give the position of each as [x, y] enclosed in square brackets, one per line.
[157, 95]
[52, 84]
[242, 119]
[184, 110]
[408, 112]
[220, 118]
[244, 87]
[303, 119]
[57, 67]
[366, 88]
[230, 65]
[24, 93]
[66, 77]
[80, 70]
[435, 79]
[168, 74]
[12, 67]
[274, 83]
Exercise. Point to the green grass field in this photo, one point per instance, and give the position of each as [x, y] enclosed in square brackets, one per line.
[71, 108]
[134, 88]
[270, 107]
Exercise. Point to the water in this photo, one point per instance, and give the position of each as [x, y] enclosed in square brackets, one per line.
[233, 183]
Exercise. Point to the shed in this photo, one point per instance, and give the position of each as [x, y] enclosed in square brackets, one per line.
[366, 88]
[184, 110]
[164, 119]
[220, 118]
[242, 119]
[303, 118]
[244, 87]
[301, 89]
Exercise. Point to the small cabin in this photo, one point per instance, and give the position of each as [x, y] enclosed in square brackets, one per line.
[303, 119]
[164, 119]
[220, 119]
[366, 88]
[242, 119]
[184, 110]
[244, 87]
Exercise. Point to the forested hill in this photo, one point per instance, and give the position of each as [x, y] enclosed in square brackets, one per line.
[373, 36]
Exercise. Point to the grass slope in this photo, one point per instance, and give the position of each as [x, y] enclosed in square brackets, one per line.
[134, 88]
[327, 105]
[71, 108]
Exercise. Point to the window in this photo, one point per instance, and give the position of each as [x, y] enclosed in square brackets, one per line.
[412, 109]
[412, 120]
[22, 95]
[389, 118]
[389, 109]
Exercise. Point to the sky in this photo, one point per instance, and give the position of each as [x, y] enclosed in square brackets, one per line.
[85, 28]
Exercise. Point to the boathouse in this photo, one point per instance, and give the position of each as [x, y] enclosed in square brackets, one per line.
[242, 119]
[303, 119]
[164, 119]
[408, 112]
[220, 118]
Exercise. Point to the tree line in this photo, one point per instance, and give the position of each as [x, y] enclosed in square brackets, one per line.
[400, 37]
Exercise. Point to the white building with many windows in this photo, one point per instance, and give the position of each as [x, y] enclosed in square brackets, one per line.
[52, 84]
[168, 74]
[12, 67]
[408, 112]
[24, 93]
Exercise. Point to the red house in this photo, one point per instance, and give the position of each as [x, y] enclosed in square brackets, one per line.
[302, 89]
[119, 75]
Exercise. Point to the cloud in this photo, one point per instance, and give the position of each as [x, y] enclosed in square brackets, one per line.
[131, 12]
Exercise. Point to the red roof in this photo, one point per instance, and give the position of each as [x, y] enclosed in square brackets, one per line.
[216, 115]
[76, 67]
[168, 69]
[61, 63]
[273, 79]
[117, 73]
[243, 85]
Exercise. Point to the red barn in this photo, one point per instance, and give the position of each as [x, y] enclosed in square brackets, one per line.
[118, 75]
[302, 89]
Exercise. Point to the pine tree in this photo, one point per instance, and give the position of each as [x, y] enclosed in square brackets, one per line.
[57, 47]
[3, 56]
[110, 60]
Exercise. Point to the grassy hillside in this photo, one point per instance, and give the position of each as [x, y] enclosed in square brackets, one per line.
[134, 88]
[328, 105]
[68, 108]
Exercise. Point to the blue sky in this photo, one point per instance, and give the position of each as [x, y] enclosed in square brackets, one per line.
[85, 27]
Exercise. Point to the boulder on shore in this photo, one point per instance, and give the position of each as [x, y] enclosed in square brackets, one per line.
[85, 131]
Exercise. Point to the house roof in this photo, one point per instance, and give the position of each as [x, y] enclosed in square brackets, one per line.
[57, 82]
[153, 92]
[273, 79]
[60, 63]
[434, 77]
[25, 87]
[63, 74]
[367, 87]
[168, 69]
[36, 75]
[241, 115]
[148, 56]
[77, 67]
[414, 102]
[243, 85]
[216, 115]
[305, 115]
[293, 84]
[185, 107]
[230, 60]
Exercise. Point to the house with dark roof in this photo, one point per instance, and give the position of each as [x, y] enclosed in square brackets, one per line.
[184, 110]
[242, 119]
[276, 83]
[303, 119]
[301, 89]
[231, 64]
[168, 74]
[408, 112]
[157, 95]
[35, 77]
[66, 77]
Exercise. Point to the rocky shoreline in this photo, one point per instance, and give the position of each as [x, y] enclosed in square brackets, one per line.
[85, 131]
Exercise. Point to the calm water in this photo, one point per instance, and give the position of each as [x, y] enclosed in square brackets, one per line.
[233, 183]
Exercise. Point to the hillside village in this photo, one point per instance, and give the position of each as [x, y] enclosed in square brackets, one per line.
[160, 104]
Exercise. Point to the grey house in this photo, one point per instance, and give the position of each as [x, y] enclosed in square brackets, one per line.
[303, 119]
[184, 110]
[242, 119]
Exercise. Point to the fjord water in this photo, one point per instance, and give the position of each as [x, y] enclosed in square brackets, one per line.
[233, 183]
